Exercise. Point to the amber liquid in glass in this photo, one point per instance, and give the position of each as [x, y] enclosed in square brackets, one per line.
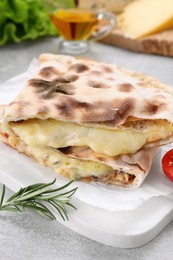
[74, 24]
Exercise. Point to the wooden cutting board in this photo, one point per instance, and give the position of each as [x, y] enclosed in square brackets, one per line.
[160, 43]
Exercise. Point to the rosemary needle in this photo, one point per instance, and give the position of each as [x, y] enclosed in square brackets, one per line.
[38, 197]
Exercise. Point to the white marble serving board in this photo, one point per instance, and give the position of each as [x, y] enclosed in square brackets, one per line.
[126, 229]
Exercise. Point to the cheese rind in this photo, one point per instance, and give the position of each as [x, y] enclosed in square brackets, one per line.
[145, 17]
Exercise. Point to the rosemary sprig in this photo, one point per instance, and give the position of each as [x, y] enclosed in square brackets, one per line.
[38, 197]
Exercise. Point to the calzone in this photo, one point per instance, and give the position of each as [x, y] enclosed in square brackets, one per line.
[90, 121]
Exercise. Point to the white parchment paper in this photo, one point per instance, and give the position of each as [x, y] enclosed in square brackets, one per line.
[24, 171]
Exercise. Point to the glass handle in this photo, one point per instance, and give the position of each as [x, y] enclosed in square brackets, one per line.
[107, 22]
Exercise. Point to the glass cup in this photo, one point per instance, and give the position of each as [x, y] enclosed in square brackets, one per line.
[78, 22]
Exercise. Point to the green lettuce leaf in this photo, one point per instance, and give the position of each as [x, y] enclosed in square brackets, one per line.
[24, 19]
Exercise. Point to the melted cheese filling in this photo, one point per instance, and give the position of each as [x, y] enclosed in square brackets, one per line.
[74, 169]
[69, 167]
[58, 134]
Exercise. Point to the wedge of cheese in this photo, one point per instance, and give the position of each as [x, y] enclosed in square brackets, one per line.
[145, 17]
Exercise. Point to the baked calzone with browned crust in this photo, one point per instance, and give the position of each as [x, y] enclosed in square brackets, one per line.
[90, 121]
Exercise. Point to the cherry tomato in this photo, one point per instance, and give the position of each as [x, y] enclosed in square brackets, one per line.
[6, 135]
[167, 164]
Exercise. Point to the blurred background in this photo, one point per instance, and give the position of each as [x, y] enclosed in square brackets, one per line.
[28, 19]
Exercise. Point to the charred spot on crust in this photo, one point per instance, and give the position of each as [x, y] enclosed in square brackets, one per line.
[96, 84]
[151, 108]
[76, 104]
[106, 69]
[43, 110]
[60, 80]
[125, 87]
[154, 107]
[98, 114]
[48, 71]
[37, 83]
[125, 110]
[48, 89]
[95, 73]
[112, 115]
[67, 106]
[79, 67]
[64, 110]
[45, 84]
[100, 85]
[72, 78]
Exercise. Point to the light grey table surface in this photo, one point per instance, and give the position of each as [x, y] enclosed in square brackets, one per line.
[28, 236]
